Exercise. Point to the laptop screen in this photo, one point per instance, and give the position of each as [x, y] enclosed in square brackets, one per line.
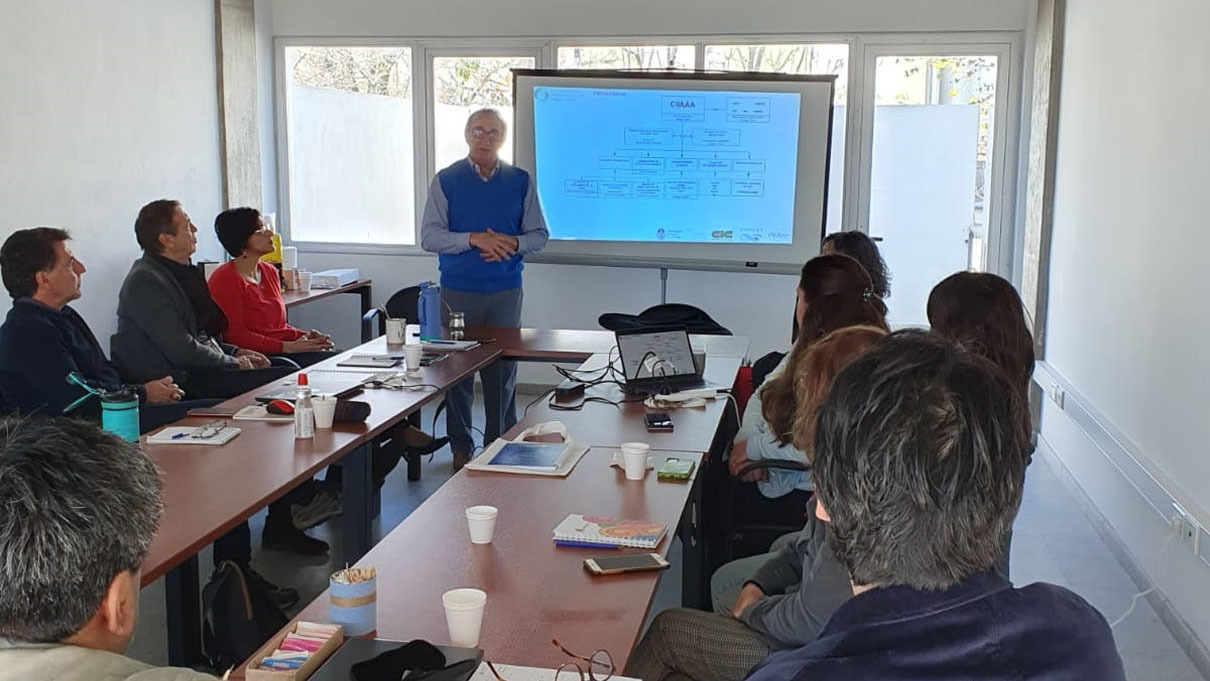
[656, 353]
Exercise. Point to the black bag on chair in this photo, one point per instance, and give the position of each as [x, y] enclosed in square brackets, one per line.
[239, 616]
[694, 319]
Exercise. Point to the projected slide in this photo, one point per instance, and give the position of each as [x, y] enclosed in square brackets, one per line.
[687, 166]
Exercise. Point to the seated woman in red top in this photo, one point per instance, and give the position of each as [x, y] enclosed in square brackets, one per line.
[249, 293]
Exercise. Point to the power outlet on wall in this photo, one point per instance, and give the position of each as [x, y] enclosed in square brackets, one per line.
[1057, 394]
[1189, 531]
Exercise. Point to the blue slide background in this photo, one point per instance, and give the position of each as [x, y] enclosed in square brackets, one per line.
[667, 165]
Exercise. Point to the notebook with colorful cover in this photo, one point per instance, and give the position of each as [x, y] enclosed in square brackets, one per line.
[588, 529]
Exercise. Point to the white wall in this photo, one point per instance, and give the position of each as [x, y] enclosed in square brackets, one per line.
[1128, 322]
[638, 17]
[107, 106]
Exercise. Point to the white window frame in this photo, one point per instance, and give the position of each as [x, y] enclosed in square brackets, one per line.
[463, 48]
[1006, 47]
[283, 143]
[864, 48]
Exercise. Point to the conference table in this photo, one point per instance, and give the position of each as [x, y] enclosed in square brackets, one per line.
[210, 490]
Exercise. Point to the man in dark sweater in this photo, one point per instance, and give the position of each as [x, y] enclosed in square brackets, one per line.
[43, 339]
[482, 217]
[920, 455]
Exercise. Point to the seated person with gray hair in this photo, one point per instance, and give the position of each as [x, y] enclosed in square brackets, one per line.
[80, 510]
[920, 455]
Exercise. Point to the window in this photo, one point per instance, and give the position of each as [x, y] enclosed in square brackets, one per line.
[462, 85]
[930, 193]
[806, 59]
[634, 57]
[349, 144]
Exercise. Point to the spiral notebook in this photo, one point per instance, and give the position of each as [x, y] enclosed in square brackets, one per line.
[596, 530]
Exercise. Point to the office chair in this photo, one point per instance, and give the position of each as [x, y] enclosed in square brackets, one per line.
[749, 521]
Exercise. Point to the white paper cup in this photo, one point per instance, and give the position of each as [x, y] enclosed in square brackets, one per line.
[634, 459]
[397, 331]
[464, 615]
[324, 407]
[412, 355]
[304, 281]
[482, 523]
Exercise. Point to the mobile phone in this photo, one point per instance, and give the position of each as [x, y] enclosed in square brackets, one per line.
[630, 562]
[658, 422]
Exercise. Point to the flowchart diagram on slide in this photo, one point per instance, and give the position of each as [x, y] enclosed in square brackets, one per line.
[668, 165]
[696, 149]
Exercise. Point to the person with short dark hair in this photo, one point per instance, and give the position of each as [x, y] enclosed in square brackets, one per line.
[249, 292]
[919, 465]
[167, 321]
[81, 508]
[169, 324]
[860, 247]
[43, 339]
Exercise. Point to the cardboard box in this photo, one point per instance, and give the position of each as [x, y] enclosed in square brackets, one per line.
[335, 278]
[252, 673]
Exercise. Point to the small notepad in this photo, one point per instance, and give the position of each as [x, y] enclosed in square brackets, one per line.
[587, 529]
[166, 436]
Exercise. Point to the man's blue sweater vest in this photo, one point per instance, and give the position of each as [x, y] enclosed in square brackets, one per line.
[476, 206]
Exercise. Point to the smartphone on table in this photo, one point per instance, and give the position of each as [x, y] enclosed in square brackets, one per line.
[658, 422]
[629, 562]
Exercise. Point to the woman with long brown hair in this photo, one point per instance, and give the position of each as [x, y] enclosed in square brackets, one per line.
[834, 291]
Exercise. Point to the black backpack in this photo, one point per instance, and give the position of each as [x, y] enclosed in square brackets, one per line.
[239, 616]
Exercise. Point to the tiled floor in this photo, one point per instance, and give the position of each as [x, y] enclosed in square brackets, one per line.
[1053, 542]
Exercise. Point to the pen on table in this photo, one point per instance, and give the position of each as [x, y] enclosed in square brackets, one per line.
[585, 545]
[180, 435]
[442, 342]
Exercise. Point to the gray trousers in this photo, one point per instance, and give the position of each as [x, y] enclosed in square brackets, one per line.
[697, 645]
[728, 580]
[499, 380]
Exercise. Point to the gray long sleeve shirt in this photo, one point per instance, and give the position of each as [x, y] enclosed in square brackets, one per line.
[804, 584]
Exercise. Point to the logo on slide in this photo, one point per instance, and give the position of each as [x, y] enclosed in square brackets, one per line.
[722, 234]
[659, 233]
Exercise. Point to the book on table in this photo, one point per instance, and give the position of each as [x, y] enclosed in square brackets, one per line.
[602, 531]
[539, 456]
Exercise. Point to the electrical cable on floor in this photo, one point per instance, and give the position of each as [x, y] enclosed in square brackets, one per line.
[1173, 531]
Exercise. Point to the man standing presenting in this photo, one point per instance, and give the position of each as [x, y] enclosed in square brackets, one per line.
[482, 217]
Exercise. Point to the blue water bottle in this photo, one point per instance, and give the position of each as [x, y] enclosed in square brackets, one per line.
[429, 309]
[120, 413]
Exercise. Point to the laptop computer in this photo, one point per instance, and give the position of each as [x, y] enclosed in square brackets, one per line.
[336, 383]
[659, 360]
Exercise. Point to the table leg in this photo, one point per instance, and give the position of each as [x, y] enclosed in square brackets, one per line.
[367, 333]
[357, 498]
[184, 609]
[414, 459]
[695, 585]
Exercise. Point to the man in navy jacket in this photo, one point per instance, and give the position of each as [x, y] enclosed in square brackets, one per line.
[920, 455]
[43, 339]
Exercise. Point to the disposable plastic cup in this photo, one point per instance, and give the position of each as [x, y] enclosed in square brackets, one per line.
[464, 615]
[304, 281]
[482, 523]
[324, 407]
[634, 459]
[412, 355]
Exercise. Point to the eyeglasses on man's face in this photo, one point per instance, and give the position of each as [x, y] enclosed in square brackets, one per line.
[481, 133]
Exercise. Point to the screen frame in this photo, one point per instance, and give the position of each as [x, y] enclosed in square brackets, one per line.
[764, 258]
